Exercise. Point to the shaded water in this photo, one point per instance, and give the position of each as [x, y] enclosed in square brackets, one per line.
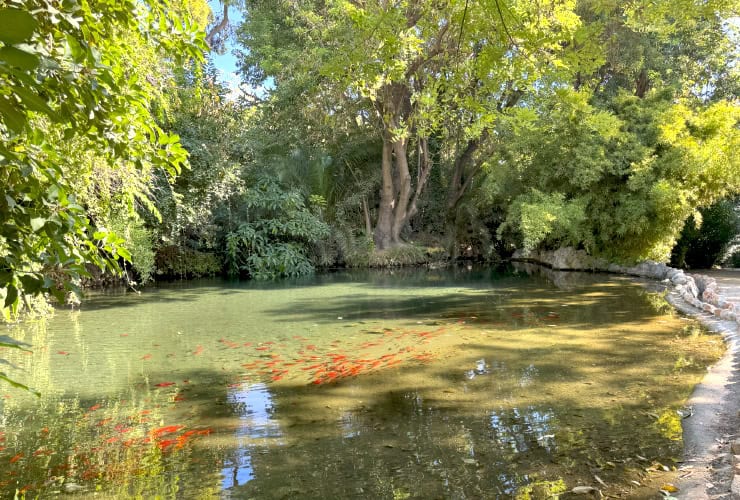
[414, 384]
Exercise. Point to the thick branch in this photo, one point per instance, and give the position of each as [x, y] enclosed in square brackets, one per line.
[213, 32]
[434, 51]
[424, 166]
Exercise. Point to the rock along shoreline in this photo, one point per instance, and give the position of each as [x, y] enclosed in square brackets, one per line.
[711, 466]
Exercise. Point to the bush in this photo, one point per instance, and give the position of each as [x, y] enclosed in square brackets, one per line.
[404, 255]
[275, 238]
[704, 243]
[174, 262]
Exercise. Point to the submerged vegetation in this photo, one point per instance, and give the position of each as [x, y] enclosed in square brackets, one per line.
[413, 382]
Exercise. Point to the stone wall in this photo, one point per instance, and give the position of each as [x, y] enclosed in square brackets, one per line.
[698, 290]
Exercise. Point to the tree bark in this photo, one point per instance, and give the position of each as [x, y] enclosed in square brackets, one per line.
[400, 216]
[213, 32]
[366, 214]
[642, 84]
[383, 229]
[422, 175]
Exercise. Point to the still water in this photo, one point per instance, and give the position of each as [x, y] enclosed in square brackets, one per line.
[458, 383]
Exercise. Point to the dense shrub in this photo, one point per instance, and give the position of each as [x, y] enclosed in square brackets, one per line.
[704, 243]
[274, 239]
[176, 262]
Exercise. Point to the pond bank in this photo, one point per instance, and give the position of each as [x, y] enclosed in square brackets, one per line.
[711, 468]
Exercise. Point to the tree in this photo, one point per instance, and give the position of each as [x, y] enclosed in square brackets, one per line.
[403, 71]
[72, 97]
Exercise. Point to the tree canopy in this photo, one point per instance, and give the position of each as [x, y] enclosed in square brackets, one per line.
[363, 126]
[78, 139]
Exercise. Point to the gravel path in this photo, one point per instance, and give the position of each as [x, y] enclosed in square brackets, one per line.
[709, 470]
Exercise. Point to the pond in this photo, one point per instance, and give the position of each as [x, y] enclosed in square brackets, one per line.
[457, 383]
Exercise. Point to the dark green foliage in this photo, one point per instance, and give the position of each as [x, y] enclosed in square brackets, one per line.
[703, 245]
[272, 240]
[734, 260]
[175, 262]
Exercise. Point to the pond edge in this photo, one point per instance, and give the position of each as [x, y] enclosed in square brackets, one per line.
[710, 469]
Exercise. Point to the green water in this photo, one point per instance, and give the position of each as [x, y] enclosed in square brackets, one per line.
[463, 383]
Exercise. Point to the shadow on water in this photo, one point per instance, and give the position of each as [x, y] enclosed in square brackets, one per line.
[473, 277]
[523, 386]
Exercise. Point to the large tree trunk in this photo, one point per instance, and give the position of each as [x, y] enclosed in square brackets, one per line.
[404, 191]
[383, 229]
[642, 83]
[397, 205]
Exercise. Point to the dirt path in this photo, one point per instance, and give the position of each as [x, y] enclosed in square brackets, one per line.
[707, 472]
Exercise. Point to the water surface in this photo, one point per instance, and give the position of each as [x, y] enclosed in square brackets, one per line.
[461, 383]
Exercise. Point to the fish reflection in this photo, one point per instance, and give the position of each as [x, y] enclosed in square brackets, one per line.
[254, 408]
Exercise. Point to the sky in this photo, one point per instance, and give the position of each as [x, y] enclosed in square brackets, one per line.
[226, 63]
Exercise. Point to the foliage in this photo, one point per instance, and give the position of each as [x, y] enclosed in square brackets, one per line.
[618, 182]
[65, 78]
[196, 206]
[172, 261]
[703, 243]
[272, 239]
[403, 73]
[734, 259]
[406, 255]
[138, 242]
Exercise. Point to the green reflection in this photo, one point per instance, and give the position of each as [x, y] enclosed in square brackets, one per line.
[424, 384]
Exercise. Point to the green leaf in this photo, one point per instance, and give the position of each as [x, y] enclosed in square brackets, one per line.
[11, 116]
[18, 385]
[19, 58]
[18, 25]
[78, 53]
[125, 254]
[31, 284]
[34, 102]
[11, 296]
[37, 223]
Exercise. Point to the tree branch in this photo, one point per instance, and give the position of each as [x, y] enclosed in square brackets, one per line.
[213, 32]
